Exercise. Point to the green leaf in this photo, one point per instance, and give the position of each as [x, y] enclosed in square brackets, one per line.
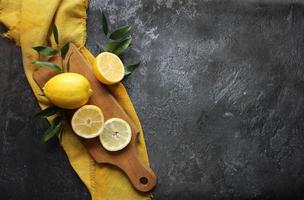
[46, 51]
[123, 45]
[55, 33]
[113, 45]
[53, 130]
[130, 68]
[105, 25]
[48, 65]
[49, 111]
[64, 50]
[68, 63]
[120, 32]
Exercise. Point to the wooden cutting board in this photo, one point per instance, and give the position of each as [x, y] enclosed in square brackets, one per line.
[141, 176]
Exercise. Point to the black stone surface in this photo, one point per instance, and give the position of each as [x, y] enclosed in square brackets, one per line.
[220, 95]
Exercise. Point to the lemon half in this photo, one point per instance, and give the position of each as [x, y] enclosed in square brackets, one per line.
[88, 121]
[116, 134]
[108, 68]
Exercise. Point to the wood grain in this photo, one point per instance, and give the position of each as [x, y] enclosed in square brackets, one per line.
[141, 176]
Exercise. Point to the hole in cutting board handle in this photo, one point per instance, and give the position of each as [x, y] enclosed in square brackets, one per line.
[143, 180]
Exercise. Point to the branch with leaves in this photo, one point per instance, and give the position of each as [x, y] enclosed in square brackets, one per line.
[57, 125]
[50, 52]
[118, 41]
[58, 122]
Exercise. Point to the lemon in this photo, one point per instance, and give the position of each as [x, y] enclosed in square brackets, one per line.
[88, 121]
[68, 90]
[116, 134]
[108, 68]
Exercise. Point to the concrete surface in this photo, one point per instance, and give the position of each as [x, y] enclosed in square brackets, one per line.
[220, 95]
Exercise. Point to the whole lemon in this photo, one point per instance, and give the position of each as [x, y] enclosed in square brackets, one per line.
[68, 90]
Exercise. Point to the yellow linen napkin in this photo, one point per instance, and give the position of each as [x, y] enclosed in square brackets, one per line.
[29, 23]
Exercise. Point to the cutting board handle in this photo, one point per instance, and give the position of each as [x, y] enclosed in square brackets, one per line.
[141, 176]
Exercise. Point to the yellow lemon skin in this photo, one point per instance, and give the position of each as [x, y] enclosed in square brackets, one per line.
[68, 90]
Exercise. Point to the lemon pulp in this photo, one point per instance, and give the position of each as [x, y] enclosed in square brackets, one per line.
[116, 134]
[108, 68]
[88, 121]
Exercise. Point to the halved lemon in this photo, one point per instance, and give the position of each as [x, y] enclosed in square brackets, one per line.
[116, 134]
[88, 121]
[108, 68]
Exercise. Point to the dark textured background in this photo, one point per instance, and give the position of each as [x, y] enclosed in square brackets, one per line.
[220, 95]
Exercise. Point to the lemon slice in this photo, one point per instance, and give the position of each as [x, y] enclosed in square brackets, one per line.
[108, 68]
[116, 134]
[88, 121]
